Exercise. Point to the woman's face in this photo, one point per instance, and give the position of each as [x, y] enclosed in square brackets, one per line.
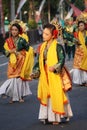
[81, 26]
[47, 35]
[14, 31]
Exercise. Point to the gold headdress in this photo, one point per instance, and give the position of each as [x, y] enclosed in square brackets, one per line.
[21, 23]
[82, 17]
[57, 25]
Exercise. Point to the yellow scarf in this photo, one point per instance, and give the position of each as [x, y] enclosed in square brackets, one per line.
[82, 41]
[25, 36]
[54, 88]
[12, 57]
[28, 64]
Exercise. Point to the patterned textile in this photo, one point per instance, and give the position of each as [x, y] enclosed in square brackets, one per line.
[78, 57]
[54, 87]
[80, 60]
[66, 79]
[16, 59]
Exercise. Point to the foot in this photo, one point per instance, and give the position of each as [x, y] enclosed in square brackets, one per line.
[67, 119]
[45, 121]
[4, 96]
[21, 100]
[55, 123]
[85, 84]
[10, 101]
[81, 85]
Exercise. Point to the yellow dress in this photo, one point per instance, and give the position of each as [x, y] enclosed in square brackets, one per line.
[29, 61]
[52, 87]
[80, 60]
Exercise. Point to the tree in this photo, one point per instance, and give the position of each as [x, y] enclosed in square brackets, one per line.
[31, 10]
[80, 4]
[49, 10]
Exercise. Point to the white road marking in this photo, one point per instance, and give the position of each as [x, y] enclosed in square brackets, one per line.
[3, 64]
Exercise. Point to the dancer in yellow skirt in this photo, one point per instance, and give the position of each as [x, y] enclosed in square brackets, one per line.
[80, 59]
[52, 93]
[19, 66]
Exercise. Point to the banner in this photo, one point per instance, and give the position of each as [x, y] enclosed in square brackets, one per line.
[2, 30]
[69, 14]
[41, 6]
[38, 13]
[61, 1]
[37, 16]
[21, 3]
[76, 11]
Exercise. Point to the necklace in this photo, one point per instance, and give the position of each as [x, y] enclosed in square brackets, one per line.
[15, 39]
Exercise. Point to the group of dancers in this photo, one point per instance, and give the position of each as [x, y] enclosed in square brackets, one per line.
[54, 78]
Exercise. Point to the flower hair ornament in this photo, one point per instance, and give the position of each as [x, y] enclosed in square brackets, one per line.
[58, 27]
[21, 30]
[55, 33]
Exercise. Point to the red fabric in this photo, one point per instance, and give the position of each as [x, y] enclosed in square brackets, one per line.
[86, 26]
[10, 43]
[77, 11]
[55, 33]
[38, 49]
[76, 34]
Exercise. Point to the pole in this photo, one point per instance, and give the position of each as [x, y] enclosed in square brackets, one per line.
[2, 31]
[0, 15]
[20, 14]
[49, 11]
[12, 9]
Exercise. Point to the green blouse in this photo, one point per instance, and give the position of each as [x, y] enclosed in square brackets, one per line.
[58, 66]
[20, 44]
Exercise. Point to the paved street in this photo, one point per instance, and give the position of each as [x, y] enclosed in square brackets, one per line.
[24, 116]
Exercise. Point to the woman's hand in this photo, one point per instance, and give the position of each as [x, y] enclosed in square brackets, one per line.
[32, 75]
[77, 42]
[13, 51]
[51, 69]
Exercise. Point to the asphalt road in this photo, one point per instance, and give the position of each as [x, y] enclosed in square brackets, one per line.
[24, 116]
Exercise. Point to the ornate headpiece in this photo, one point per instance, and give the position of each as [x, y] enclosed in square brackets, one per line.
[57, 25]
[21, 23]
[82, 17]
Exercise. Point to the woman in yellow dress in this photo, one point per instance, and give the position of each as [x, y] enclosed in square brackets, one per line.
[54, 102]
[80, 59]
[16, 48]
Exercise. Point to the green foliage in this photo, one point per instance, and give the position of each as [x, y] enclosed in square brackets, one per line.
[54, 4]
[32, 24]
[53, 7]
[5, 5]
[80, 4]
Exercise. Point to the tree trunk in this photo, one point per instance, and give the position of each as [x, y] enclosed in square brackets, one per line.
[49, 11]
[31, 10]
